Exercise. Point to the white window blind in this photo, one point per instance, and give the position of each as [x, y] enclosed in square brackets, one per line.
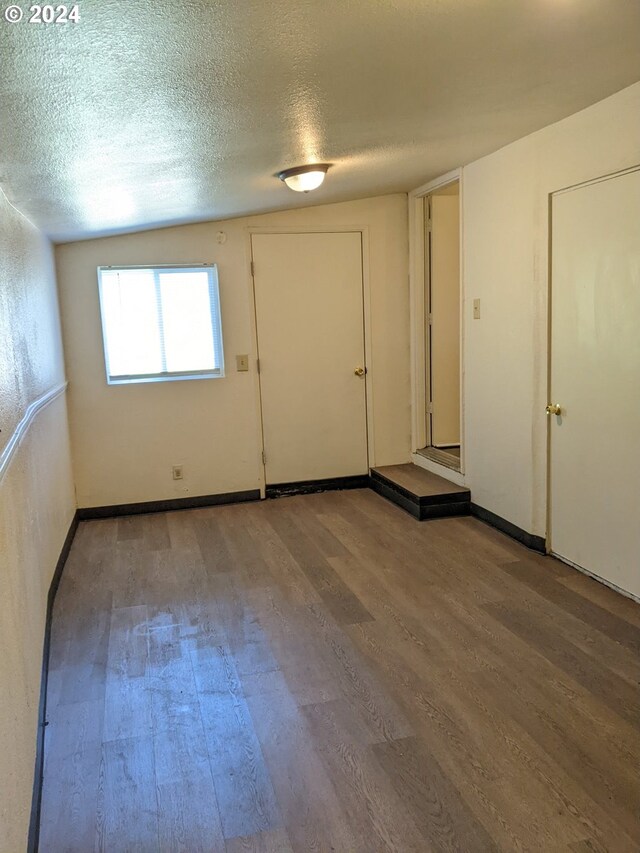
[160, 323]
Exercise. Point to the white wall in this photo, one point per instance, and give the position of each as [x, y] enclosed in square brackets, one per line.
[505, 259]
[126, 438]
[36, 502]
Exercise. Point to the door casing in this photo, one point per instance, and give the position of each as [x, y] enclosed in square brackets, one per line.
[420, 392]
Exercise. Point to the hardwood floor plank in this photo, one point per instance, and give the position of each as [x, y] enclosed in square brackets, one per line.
[593, 615]
[307, 519]
[85, 664]
[130, 527]
[127, 805]
[275, 841]
[133, 571]
[585, 586]
[311, 670]
[182, 533]
[188, 816]
[73, 753]
[377, 710]
[249, 564]
[311, 810]
[588, 846]
[616, 657]
[127, 711]
[612, 690]
[342, 603]
[213, 546]
[377, 812]
[150, 529]
[243, 632]
[287, 575]
[243, 787]
[435, 804]
[188, 820]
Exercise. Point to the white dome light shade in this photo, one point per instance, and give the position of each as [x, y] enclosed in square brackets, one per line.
[301, 179]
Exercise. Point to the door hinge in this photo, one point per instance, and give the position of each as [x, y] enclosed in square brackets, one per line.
[429, 224]
[253, 270]
[258, 365]
[429, 408]
[430, 319]
[264, 458]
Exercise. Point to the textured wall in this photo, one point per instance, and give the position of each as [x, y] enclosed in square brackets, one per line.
[36, 502]
[31, 359]
[126, 437]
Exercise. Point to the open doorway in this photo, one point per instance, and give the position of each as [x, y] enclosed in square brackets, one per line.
[442, 350]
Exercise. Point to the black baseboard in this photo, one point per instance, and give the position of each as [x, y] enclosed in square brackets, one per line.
[535, 543]
[36, 801]
[169, 505]
[307, 487]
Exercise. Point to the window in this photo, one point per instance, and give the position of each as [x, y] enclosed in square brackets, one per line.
[160, 323]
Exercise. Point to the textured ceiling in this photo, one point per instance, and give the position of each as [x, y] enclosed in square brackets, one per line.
[151, 113]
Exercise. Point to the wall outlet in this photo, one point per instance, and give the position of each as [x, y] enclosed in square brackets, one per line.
[177, 472]
[242, 363]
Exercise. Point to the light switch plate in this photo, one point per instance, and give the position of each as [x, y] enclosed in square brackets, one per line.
[242, 363]
[476, 309]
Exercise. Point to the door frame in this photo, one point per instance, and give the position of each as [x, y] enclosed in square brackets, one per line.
[548, 515]
[418, 260]
[363, 230]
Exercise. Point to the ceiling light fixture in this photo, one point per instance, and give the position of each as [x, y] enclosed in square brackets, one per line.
[301, 179]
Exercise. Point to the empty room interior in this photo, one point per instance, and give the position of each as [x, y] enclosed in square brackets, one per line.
[319, 426]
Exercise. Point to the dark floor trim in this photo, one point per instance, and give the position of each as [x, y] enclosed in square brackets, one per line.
[36, 800]
[306, 487]
[167, 505]
[536, 543]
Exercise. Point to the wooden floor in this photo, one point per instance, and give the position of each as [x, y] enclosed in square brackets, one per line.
[325, 673]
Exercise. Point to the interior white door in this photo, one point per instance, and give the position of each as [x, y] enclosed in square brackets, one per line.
[309, 316]
[444, 307]
[595, 378]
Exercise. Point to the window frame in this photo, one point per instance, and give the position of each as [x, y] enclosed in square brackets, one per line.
[216, 320]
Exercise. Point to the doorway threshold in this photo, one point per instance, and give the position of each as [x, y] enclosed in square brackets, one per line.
[449, 457]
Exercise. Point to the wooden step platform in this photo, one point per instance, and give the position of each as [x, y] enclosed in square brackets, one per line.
[423, 494]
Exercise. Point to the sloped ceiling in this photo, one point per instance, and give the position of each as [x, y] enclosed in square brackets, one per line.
[154, 113]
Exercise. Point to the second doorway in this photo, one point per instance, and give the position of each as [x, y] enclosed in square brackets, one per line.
[442, 297]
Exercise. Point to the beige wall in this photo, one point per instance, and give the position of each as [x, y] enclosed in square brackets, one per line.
[36, 502]
[505, 259]
[445, 310]
[126, 438]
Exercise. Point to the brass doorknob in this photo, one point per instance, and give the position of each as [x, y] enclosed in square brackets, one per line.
[554, 409]
[359, 371]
